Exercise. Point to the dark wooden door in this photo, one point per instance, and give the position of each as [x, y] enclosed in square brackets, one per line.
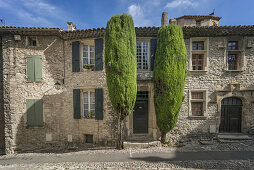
[140, 117]
[231, 113]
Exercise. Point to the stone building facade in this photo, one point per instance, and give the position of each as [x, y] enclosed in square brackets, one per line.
[49, 100]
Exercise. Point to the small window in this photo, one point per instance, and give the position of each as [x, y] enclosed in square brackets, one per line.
[89, 138]
[32, 41]
[88, 55]
[232, 45]
[197, 108]
[197, 95]
[232, 62]
[142, 55]
[89, 104]
[198, 45]
[198, 23]
[198, 103]
[197, 61]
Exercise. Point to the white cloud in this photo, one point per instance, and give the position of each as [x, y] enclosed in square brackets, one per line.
[181, 3]
[138, 15]
[34, 12]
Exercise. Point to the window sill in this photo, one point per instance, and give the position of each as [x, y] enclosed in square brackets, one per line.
[87, 117]
[35, 127]
[198, 71]
[234, 70]
[198, 117]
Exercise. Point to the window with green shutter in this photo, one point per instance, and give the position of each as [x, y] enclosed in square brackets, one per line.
[34, 68]
[34, 111]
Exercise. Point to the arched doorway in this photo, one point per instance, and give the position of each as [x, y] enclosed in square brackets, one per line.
[231, 115]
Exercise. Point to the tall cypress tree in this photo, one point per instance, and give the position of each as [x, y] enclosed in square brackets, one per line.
[121, 66]
[169, 77]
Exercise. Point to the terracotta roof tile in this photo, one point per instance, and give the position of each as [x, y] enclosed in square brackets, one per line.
[140, 31]
[200, 17]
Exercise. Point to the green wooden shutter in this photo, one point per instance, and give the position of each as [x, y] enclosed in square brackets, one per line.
[76, 103]
[99, 104]
[153, 51]
[38, 112]
[38, 68]
[75, 57]
[30, 68]
[30, 108]
[98, 54]
[34, 111]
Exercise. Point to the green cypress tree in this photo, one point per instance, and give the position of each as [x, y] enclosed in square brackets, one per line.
[121, 66]
[169, 77]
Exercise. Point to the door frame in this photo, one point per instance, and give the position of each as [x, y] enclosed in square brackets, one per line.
[220, 106]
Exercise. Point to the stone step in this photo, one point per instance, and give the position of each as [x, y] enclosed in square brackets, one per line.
[140, 144]
[237, 136]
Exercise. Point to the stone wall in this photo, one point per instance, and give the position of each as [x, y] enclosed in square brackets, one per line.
[216, 81]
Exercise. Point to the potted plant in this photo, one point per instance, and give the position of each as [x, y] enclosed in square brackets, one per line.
[91, 114]
[88, 67]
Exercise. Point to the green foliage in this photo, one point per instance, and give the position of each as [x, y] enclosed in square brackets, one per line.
[88, 66]
[169, 76]
[121, 63]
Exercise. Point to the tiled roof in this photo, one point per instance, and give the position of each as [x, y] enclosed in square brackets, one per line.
[200, 17]
[140, 31]
[218, 31]
[27, 28]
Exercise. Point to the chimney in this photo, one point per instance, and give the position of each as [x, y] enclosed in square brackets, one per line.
[164, 19]
[70, 26]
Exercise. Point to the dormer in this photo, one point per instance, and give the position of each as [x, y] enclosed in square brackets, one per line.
[196, 20]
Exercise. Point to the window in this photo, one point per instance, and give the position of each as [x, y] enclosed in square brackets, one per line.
[232, 62]
[32, 41]
[198, 45]
[34, 111]
[198, 103]
[88, 55]
[234, 57]
[34, 68]
[142, 55]
[197, 61]
[198, 54]
[89, 104]
[88, 138]
[232, 45]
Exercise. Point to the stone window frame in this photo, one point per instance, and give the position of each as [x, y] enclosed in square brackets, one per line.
[33, 38]
[204, 52]
[89, 90]
[204, 100]
[43, 113]
[239, 52]
[88, 42]
[148, 52]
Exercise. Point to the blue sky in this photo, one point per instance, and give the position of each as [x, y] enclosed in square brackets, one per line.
[95, 13]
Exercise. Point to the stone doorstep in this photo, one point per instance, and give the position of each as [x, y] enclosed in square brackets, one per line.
[141, 144]
[234, 136]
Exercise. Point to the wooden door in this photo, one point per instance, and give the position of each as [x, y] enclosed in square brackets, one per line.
[140, 117]
[231, 113]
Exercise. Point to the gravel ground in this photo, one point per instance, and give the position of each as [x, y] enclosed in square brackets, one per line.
[139, 165]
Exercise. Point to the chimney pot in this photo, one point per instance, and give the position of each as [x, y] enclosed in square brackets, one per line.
[164, 19]
[71, 26]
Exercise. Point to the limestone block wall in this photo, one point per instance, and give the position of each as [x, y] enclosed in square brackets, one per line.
[103, 131]
[216, 81]
[17, 89]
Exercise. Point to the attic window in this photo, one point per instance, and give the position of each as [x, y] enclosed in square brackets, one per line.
[31, 41]
[198, 23]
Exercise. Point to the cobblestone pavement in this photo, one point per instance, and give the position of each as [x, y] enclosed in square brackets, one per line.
[200, 157]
